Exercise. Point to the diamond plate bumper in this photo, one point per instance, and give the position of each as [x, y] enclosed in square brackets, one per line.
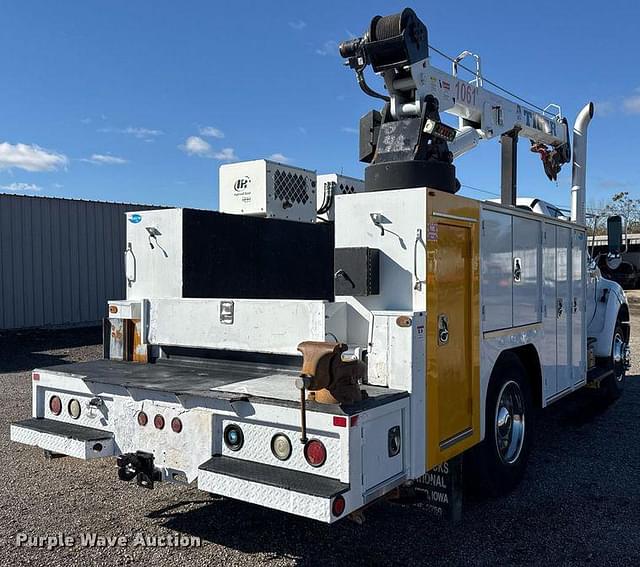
[298, 493]
[63, 438]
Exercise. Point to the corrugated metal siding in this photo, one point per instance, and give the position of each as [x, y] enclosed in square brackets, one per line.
[60, 260]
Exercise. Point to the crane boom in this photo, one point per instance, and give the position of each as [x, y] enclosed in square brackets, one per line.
[488, 113]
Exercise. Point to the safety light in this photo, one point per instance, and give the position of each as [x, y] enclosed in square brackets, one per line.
[55, 405]
[142, 419]
[74, 408]
[315, 453]
[339, 421]
[158, 421]
[338, 506]
[176, 425]
[233, 437]
[281, 446]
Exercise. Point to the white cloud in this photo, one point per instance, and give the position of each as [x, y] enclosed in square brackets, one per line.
[349, 130]
[328, 48]
[21, 187]
[30, 157]
[196, 146]
[57, 185]
[105, 159]
[604, 108]
[280, 158]
[226, 154]
[211, 132]
[298, 25]
[631, 104]
[141, 133]
[302, 130]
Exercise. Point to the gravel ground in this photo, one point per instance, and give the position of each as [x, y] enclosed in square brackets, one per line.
[579, 502]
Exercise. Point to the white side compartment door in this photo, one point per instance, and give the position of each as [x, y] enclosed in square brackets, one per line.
[563, 307]
[549, 316]
[379, 462]
[497, 271]
[526, 278]
[578, 308]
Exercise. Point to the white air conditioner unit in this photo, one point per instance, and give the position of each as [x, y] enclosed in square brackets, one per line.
[330, 186]
[268, 189]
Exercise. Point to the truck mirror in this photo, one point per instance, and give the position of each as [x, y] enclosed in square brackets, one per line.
[614, 241]
[614, 234]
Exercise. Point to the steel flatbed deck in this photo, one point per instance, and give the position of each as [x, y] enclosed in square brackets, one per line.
[229, 380]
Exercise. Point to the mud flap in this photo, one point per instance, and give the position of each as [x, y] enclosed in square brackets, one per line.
[442, 489]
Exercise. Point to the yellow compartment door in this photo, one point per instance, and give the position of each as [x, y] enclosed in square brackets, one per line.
[453, 327]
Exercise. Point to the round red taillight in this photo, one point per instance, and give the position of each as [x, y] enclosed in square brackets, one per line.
[158, 421]
[55, 405]
[338, 506]
[142, 419]
[315, 453]
[176, 425]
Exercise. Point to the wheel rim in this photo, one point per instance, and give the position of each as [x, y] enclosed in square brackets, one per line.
[620, 354]
[509, 422]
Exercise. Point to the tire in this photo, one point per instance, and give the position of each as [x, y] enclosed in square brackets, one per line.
[497, 465]
[613, 386]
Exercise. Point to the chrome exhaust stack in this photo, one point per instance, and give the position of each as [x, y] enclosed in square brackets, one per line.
[579, 171]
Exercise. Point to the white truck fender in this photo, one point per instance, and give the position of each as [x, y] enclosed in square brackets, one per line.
[611, 302]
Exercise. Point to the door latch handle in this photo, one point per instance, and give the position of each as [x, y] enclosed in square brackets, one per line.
[575, 305]
[130, 266]
[560, 308]
[443, 329]
[418, 241]
[517, 270]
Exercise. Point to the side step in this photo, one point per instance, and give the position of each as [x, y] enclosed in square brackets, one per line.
[63, 438]
[296, 492]
[596, 375]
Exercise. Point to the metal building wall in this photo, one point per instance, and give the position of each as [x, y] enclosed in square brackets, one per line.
[60, 260]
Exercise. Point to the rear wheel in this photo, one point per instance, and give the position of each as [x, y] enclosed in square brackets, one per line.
[498, 463]
[612, 386]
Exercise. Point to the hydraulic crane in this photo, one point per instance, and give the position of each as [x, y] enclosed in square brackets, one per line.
[407, 144]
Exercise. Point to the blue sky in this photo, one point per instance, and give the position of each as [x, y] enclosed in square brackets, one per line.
[143, 100]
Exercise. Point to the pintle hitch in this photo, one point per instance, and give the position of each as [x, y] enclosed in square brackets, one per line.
[138, 465]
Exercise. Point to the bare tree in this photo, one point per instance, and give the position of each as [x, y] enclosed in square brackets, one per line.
[628, 208]
[597, 213]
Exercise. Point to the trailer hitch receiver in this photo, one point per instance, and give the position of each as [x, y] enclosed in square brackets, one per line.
[138, 465]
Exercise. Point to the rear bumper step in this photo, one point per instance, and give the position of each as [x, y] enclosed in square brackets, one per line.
[302, 482]
[63, 438]
[295, 492]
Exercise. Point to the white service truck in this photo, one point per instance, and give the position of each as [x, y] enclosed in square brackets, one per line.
[314, 366]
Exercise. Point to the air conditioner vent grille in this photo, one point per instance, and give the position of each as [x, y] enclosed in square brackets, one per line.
[346, 189]
[290, 187]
